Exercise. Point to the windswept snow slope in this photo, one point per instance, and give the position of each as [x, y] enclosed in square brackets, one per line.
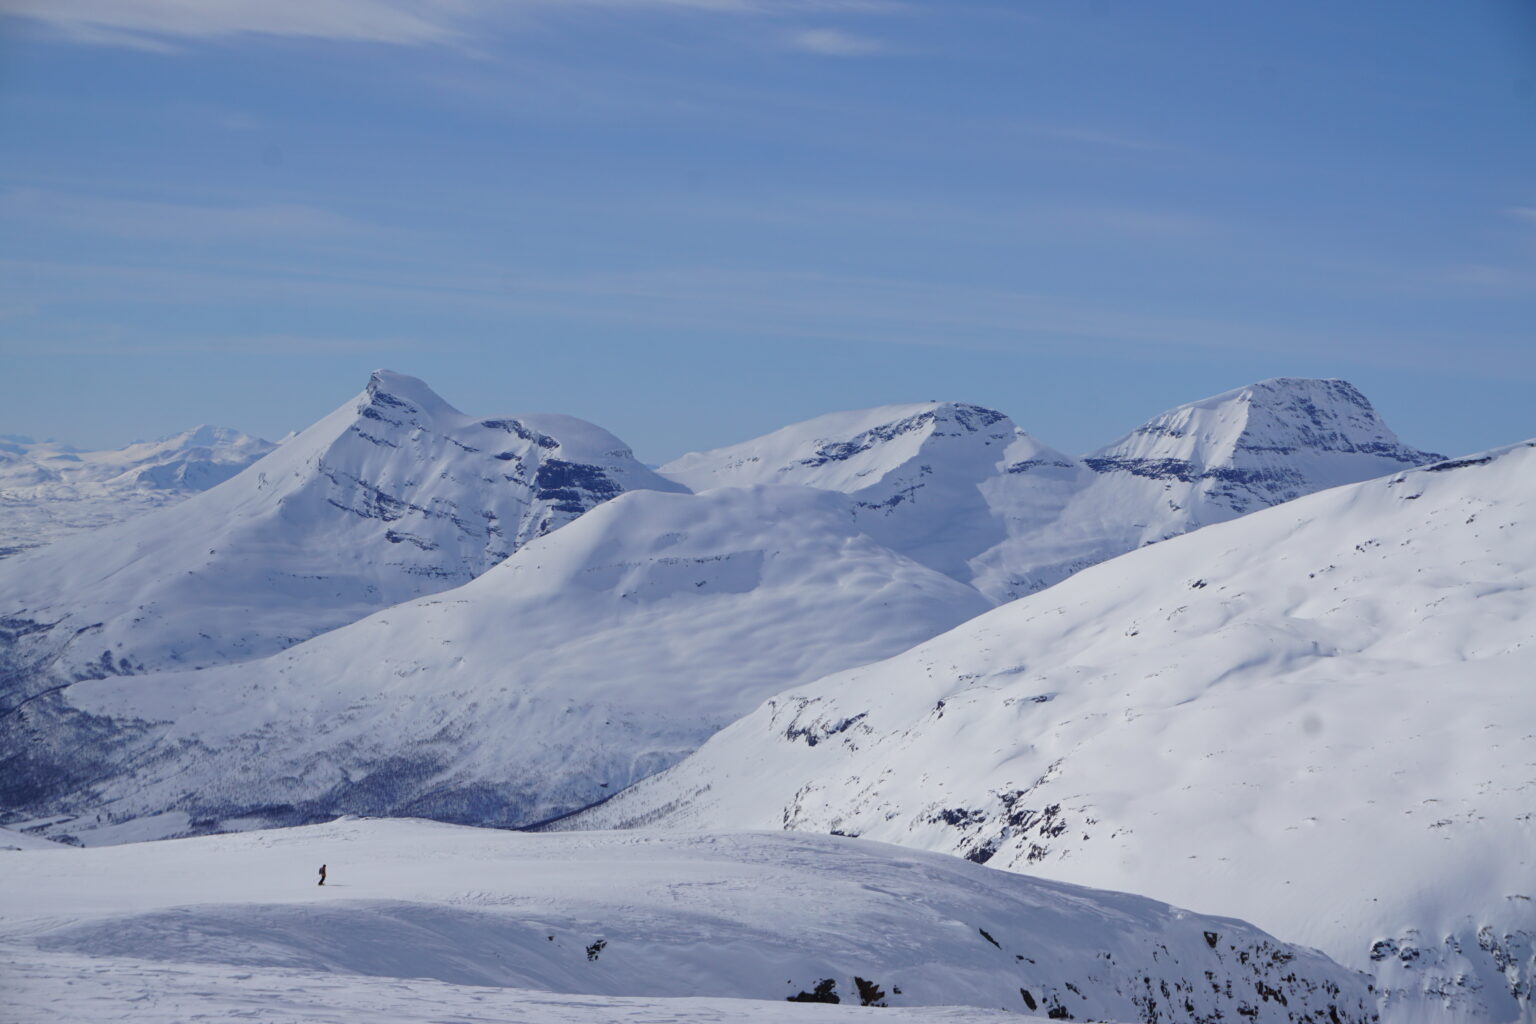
[615, 915]
[50, 490]
[593, 657]
[394, 495]
[962, 489]
[1319, 717]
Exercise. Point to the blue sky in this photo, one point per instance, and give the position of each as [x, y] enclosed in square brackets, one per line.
[692, 221]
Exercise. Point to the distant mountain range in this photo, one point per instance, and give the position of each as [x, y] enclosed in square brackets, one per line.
[592, 658]
[50, 490]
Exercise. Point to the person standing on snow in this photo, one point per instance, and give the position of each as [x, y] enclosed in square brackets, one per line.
[322, 874]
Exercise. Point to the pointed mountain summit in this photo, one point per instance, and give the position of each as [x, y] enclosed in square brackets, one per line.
[394, 495]
[1263, 444]
[1201, 463]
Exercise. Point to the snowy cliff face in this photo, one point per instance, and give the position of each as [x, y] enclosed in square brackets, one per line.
[591, 658]
[1317, 717]
[50, 490]
[965, 491]
[425, 921]
[394, 495]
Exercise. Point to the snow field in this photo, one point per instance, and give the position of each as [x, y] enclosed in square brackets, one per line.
[733, 916]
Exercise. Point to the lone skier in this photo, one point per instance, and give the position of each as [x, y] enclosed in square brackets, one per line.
[322, 874]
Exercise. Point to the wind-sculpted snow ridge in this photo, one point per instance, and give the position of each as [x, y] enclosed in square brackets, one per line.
[1318, 717]
[50, 490]
[965, 491]
[591, 658]
[394, 495]
[623, 916]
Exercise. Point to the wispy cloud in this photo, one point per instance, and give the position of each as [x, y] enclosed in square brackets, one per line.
[159, 221]
[151, 24]
[145, 22]
[1524, 214]
[762, 304]
[831, 42]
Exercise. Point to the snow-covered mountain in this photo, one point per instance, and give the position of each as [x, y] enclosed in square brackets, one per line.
[1202, 463]
[1318, 717]
[491, 925]
[930, 480]
[50, 490]
[962, 489]
[392, 496]
[591, 658]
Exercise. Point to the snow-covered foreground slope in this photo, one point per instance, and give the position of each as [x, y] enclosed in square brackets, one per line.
[593, 657]
[50, 490]
[962, 489]
[745, 916]
[1320, 718]
[394, 495]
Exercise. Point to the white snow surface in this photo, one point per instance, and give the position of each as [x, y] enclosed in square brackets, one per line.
[964, 490]
[50, 490]
[12, 839]
[510, 926]
[1319, 718]
[392, 496]
[591, 658]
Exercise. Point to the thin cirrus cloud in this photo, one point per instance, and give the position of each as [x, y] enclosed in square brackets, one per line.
[158, 221]
[151, 24]
[141, 23]
[829, 42]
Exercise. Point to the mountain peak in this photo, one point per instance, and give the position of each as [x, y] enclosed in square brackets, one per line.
[1270, 437]
[387, 389]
